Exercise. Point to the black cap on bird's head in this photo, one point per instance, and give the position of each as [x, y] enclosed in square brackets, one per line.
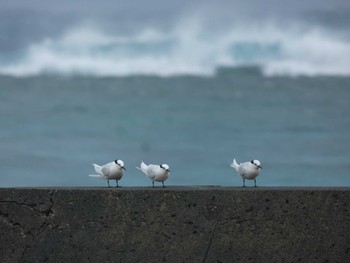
[120, 163]
[165, 167]
[257, 163]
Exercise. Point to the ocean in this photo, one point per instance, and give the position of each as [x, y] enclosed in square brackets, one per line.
[54, 127]
[192, 84]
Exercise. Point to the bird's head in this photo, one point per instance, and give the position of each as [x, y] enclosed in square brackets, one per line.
[256, 163]
[120, 163]
[165, 167]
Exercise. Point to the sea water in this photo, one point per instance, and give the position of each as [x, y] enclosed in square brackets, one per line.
[54, 127]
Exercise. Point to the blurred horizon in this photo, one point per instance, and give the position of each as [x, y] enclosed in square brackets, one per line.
[166, 38]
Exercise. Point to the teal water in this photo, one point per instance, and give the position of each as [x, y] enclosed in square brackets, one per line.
[53, 128]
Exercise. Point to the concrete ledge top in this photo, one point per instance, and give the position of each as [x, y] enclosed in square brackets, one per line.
[187, 188]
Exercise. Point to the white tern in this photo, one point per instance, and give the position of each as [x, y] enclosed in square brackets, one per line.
[247, 170]
[110, 171]
[155, 172]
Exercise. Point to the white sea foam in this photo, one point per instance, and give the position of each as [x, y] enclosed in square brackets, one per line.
[187, 49]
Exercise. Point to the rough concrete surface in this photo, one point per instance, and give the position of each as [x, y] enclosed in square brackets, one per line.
[175, 224]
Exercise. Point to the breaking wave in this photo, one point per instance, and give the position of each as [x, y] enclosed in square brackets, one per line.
[187, 49]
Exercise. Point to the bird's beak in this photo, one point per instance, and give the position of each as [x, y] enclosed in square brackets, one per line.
[168, 170]
[123, 168]
[260, 167]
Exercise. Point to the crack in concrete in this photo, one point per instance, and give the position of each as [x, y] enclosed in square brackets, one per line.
[34, 237]
[219, 211]
[210, 241]
[46, 213]
[6, 219]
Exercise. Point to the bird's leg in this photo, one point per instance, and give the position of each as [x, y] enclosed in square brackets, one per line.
[152, 184]
[163, 184]
[243, 182]
[108, 183]
[117, 182]
[254, 182]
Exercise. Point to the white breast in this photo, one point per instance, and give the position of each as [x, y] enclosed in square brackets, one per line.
[248, 170]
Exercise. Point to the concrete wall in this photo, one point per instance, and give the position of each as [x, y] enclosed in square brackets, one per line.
[175, 224]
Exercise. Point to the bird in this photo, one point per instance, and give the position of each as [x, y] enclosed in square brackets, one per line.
[155, 172]
[247, 170]
[109, 171]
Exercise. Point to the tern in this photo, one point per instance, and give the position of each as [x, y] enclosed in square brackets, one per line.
[247, 170]
[109, 171]
[155, 172]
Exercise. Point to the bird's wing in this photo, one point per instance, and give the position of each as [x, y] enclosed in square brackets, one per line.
[152, 171]
[143, 168]
[98, 168]
[244, 169]
[106, 169]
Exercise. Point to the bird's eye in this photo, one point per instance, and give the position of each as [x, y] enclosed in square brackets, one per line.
[252, 162]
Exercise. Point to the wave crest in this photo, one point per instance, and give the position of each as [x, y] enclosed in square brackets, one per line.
[184, 50]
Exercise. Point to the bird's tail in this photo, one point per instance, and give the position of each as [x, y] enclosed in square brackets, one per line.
[99, 176]
[98, 169]
[234, 165]
[143, 167]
